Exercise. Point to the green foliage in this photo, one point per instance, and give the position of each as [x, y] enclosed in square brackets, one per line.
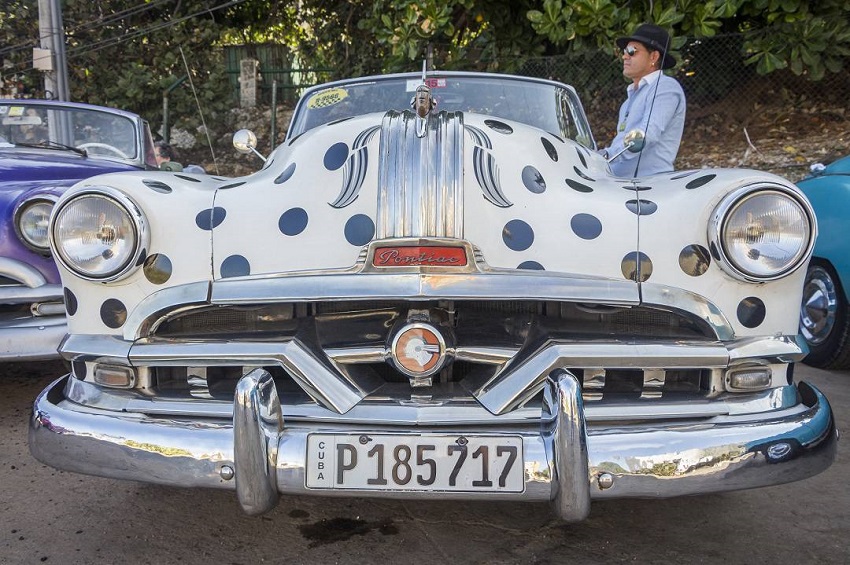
[811, 38]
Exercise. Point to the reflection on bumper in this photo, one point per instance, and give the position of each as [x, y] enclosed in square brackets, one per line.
[567, 463]
[31, 339]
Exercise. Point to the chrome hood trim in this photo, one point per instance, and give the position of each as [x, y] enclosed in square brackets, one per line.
[420, 179]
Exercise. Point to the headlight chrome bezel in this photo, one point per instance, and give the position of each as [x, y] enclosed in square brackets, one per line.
[22, 207]
[731, 202]
[127, 205]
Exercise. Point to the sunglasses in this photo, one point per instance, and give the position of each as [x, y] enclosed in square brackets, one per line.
[630, 50]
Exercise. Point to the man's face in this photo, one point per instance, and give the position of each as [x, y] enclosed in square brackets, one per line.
[160, 159]
[638, 60]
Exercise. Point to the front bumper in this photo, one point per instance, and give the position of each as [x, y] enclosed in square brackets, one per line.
[567, 461]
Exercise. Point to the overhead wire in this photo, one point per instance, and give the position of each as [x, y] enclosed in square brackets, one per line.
[83, 26]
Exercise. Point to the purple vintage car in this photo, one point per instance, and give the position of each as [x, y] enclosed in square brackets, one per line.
[45, 147]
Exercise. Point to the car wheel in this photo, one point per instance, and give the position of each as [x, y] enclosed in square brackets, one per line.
[824, 320]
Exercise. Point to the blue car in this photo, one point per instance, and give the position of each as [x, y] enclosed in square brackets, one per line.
[824, 319]
[45, 147]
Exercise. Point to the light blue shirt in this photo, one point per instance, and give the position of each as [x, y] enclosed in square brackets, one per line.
[663, 126]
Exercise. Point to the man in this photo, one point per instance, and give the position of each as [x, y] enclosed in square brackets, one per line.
[164, 154]
[164, 157]
[655, 103]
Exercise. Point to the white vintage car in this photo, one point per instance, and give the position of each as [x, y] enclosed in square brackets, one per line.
[435, 288]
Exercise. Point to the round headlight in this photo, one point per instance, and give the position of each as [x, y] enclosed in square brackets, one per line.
[96, 236]
[31, 223]
[764, 234]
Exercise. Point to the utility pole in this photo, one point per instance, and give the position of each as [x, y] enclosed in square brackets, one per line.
[50, 57]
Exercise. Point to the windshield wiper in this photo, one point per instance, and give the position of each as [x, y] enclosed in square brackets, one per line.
[50, 144]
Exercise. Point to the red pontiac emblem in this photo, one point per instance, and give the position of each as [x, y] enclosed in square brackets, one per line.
[419, 256]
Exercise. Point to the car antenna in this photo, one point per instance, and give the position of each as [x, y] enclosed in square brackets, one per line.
[200, 112]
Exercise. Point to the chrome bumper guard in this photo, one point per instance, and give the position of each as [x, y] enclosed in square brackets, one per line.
[566, 461]
[31, 339]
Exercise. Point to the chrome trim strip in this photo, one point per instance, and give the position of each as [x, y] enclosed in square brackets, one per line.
[420, 181]
[333, 389]
[644, 460]
[524, 377]
[27, 295]
[257, 423]
[379, 353]
[492, 285]
[26, 274]
[395, 409]
[95, 349]
[154, 308]
[681, 301]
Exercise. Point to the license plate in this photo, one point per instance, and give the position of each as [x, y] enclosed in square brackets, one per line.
[404, 462]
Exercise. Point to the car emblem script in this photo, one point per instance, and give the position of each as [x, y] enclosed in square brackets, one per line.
[418, 350]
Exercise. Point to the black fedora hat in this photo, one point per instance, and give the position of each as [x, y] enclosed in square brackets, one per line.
[653, 36]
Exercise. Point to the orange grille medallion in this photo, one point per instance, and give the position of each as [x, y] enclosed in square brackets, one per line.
[418, 350]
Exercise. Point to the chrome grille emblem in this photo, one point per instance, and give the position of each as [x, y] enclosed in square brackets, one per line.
[418, 350]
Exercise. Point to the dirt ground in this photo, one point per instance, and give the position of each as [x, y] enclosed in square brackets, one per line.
[49, 516]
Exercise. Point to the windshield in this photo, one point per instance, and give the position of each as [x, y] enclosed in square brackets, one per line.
[97, 132]
[545, 105]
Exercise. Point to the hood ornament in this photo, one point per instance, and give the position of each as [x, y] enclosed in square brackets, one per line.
[422, 104]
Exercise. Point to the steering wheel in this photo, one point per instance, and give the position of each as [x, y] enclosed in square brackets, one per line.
[109, 148]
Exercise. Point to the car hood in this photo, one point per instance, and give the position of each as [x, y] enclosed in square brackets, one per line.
[32, 165]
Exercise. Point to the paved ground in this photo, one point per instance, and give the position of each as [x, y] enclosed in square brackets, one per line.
[55, 517]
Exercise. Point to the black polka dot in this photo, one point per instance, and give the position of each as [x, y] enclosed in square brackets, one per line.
[694, 260]
[583, 175]
[636, 266]
[498, 126]
[210, 218]
[293, 221]
[113, 313]
[184, 177]
[235, 266]
[518, 235]
[531, 265]
[289, 171]
[143, 254]
[157, 268]
[575, 185]
[751, 312]
[533, 180]
[220, 179]
[586, 226]
[550, 149]
[581, 158]
[359, 230]
[642, 207]
[699, 181]
[231, 185]
[335, 156]
[79, 369]
[157, 185]
[70, 302]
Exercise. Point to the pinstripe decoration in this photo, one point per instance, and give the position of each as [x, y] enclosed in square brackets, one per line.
[485, 168]
[355, 169]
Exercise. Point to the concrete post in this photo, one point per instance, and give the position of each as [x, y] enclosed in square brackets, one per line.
[248, 82]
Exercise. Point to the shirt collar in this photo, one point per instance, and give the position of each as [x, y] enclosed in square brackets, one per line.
[648, 79]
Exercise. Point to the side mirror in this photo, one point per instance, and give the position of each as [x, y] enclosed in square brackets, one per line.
[245, 141]
[635, 140]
